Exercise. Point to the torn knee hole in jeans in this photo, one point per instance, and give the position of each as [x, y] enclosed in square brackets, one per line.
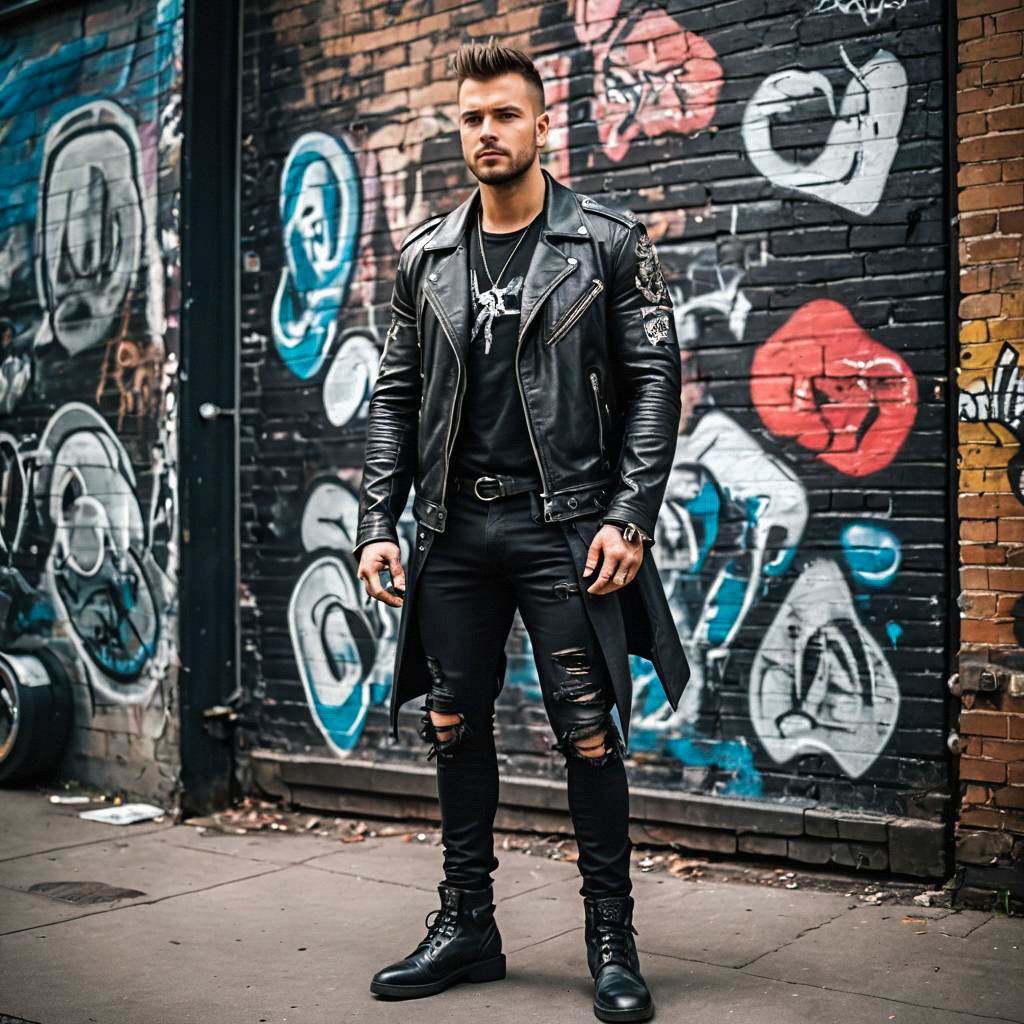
[594, 740]
[444, 735]
[577, 686]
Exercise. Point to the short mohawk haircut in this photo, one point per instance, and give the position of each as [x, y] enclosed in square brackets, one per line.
[481, 61]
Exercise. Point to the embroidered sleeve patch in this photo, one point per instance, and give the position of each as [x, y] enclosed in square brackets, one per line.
[655, 323]
[649, 278]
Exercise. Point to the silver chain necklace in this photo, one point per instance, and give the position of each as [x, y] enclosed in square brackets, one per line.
[480, 239]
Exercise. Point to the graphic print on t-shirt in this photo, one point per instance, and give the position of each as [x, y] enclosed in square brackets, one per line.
[493, 303]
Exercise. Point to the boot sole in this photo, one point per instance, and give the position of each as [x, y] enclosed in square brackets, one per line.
[484, 970]
[644, 1013]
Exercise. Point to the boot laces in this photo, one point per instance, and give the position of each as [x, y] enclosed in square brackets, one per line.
[443, 926]
[613, 943]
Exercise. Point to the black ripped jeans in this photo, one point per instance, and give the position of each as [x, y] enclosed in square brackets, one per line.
[491, 559]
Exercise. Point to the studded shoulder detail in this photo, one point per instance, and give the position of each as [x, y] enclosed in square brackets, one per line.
[625, 217]
[421, 229]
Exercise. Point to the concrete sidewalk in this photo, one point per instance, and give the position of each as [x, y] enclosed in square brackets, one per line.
[274, 926]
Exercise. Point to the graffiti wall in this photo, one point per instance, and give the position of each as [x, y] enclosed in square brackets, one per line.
[787, 161]
[89, 193]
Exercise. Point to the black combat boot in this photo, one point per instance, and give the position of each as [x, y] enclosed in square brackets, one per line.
[461, 944]
[620, 993]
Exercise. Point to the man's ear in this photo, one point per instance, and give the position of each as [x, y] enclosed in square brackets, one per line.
[542, 127]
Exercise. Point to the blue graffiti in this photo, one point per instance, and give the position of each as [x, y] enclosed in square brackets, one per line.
[872, 553]
[321, 202]
[732, 759]
[38, 91]
[895, 632]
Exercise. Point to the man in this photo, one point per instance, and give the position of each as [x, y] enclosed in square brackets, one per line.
[530, 387]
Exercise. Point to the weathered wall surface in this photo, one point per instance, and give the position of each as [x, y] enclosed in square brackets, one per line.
[990, 198]
[89, 194]
[787, 159]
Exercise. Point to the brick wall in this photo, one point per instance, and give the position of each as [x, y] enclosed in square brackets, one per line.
[990, 202]
[89, 194]
[788, 160]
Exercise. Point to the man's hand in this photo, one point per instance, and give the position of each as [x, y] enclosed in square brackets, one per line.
[375, 557]
[621, 560]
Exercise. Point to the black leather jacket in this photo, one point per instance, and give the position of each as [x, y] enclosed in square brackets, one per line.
[599, 379]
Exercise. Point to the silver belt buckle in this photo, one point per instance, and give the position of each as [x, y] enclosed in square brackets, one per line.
[476, 486]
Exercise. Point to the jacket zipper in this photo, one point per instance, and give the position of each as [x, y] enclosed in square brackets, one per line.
[457, 404]
[595, 386]
[523, 328]
[576, 311]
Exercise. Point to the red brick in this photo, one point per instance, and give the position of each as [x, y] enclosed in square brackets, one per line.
[1010, 796]
[969, 78]
[978, 223]
[1013, 170]
[983, 99]
[980, 306]
[982, 554]
[980, 532]
[1004, 274]
[1015, 773]
[974, 579]
[1006, 605]
[972, 8]
[982, 771]
[968, 28]
[1011, 222]
[980, 631]
[1001, 247]
[1002, 71]
[976, 795]
[976, 280]
[970, 746]
[968, 125]
[983, 819]
[991, 197]
[1004, 120]
[1016, 723]
[992, 147]
[1009, 581]
[977, 606]
[983, 723]
[979, 174]
[990, 47]
[1003, 750]
[1010, 21]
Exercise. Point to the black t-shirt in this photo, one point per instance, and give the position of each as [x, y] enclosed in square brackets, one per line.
[493, 436]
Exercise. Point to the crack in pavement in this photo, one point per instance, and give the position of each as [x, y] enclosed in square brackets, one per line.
[87, 842]
[540, 942]
[796, 938]
[830, 988]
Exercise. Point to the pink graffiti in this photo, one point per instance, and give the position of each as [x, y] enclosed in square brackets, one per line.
[652, 76]
[825, 382]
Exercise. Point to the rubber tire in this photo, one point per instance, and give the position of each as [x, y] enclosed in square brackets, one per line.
[44, 714]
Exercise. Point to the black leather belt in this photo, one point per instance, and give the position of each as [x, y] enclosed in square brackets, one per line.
[487, 488]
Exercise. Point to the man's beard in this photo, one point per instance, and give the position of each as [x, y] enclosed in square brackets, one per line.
[515, 170]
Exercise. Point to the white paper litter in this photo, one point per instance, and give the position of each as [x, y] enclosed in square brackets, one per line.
[126, 814]
[55, 799]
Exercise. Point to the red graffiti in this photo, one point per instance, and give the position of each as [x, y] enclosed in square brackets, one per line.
[652, 77]
[825, 382]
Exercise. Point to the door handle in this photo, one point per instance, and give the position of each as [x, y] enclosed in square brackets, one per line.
[211, 411]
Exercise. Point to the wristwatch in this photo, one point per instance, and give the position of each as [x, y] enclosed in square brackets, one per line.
[631, 533]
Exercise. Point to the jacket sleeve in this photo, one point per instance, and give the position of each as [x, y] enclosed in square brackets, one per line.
[644, 351]
[391, 430]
